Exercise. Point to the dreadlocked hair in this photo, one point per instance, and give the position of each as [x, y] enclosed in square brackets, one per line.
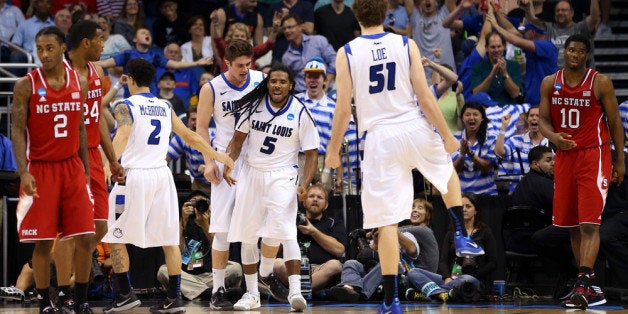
[246, 105]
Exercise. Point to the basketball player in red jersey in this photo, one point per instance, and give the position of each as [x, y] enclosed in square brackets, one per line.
[50, 146]
[579, 114]
[86, 43]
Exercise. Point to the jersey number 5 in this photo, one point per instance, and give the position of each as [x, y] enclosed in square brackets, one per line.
[382, 78]
[269, 145]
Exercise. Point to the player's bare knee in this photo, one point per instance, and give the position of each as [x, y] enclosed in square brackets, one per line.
[589, 229]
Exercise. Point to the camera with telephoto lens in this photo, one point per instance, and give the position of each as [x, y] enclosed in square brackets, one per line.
[301, 219]
[201, 205]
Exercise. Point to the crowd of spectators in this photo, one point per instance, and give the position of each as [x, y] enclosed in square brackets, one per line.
[485, 63]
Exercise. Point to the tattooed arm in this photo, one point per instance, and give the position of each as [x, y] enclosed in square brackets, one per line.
[125, 121]
[19, 116]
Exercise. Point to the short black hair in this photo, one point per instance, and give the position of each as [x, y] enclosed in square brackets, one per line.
[195, 193]
[81, 30]
[579, 38]
[537, 152]
[141, 71]
[52, 30]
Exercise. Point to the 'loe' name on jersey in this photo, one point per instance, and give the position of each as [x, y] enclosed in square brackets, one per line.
[568, 101]
[274, 129]
[59, 107]
[153, 111]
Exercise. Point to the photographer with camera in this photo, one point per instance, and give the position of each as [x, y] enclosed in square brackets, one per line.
[326, 237]
[195, 245]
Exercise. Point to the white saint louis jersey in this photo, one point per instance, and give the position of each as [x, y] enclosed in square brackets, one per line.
[150, 133]
[225, 95]
[276, 135]
[375, 68]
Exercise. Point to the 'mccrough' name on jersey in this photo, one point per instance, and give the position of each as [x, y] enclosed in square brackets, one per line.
[568, 101]
[59, 107]
[153, 111]
[271, 128]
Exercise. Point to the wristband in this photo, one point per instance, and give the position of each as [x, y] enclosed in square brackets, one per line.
[117, 86]
[502, 132]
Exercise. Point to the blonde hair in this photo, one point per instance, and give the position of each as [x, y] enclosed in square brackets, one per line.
[237, 27]
[428, 209]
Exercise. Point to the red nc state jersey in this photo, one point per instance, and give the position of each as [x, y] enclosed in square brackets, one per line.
[52, 127]
[577, 112]
[91, 107]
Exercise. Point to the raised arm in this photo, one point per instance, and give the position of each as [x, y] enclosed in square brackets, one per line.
[594, 18]
[452, 20]
[450, 76]
[525, 44]
[258, 36]
[481, 44]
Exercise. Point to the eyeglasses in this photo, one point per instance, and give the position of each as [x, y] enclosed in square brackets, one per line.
[391, 19]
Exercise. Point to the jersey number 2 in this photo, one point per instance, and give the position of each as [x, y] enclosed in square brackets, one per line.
[382, 78]
[153, 138]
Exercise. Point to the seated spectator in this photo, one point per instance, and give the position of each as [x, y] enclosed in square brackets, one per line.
[205, 77]
[450, 102]
[239, 11]
[337, 23]
[475, 161]
[169, 27]
[480, 267]
[166, 85]
[303, 48]
[194, 161]
[462, 288]
[301, 8]
[7, 159]
[130, 20]
[114, 43]
[360, 278]
[241, 31]
[326, 237]
[200, 45]
[513, 152]
[63, 20]
[10, 18]
[541, 54]
[496, 76]
[24, 35]
[25, 281]
[196, 275]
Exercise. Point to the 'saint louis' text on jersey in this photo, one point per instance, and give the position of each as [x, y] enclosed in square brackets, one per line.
[274, 129]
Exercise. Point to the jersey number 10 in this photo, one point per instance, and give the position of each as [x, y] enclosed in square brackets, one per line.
[570, 118]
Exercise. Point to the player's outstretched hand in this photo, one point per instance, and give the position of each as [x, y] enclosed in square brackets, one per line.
[451, 144]
[117, 172]
[302, 192]
[28, 184]
[618, 172]
[212, 173]
[332, 161]
[225, 159]
[227, 176]
[563, 142]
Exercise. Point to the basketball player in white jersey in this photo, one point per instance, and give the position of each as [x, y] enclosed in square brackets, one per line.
[277, 125]
[384, 74]
[151, 215]
[216, 99]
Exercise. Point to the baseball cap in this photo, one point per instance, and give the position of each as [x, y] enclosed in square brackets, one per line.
[316, 64]
[532, 27]
[167, 73]
[482, 98]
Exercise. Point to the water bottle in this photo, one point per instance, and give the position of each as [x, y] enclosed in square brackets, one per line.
[518, 55]
[456, 271]
[306, 272]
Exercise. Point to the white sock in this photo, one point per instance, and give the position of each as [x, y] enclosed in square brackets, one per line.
[218, 276]
[266, 266]
[295, 284]
[251, 283]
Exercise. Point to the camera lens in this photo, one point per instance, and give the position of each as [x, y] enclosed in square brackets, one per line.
[202, 206]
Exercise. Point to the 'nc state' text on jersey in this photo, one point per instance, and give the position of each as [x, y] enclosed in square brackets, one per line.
[271, 128]
[379, 54]
[59, 107]
[153, 111]
[569, 101]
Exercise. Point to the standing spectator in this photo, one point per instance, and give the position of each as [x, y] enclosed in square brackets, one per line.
[475, 162]
[240, 31]
[193, 159]
[200, 45]
[301, 8]
[215, 100]
[476, 54]
[429, 33]
[24, 35]
[337, 23]
[57, 162]
[325, 236]
[114, 43]
[303, 48]
[169, 27]
[166, 85]
[579, 115]
[541, 54]
[270, 169]
[481, 266]
[10, 18]
[564, 26]
[241, 11]
[150, 216]
[196, 276]
[397, 18]
[496, 76]
[63, 20]
[513, 152]
[130, 20]
[386, 108]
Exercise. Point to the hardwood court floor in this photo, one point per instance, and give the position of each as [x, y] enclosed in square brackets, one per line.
[329, 308]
